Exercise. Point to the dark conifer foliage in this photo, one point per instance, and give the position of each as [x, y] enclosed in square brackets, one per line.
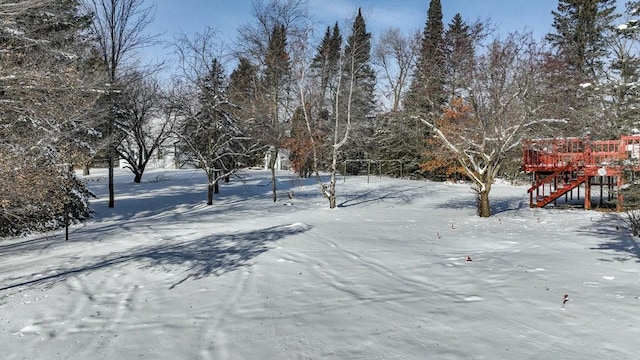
[357, 66]
[277, 84]
[578, 64]
[426, 94]
[243, 83]
[459, 53]
[626, 65]
[326, 63]
[357, 98]
[278, 64]
[580, 34]
[45, 99]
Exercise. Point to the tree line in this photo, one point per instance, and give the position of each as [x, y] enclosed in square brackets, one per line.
[452, 101]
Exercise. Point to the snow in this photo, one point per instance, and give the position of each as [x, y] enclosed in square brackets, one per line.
[15, 32]
[383, 276]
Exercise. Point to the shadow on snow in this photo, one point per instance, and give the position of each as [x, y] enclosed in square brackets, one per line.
[617, 240]
[212, 255]
[498, 204]
[400, 193]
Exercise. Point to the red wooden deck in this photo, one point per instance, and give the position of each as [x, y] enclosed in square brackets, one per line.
[561, 165]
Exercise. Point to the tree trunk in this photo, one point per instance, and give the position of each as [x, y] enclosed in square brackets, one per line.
[272, 167]
[484, 210]
[111, 186]
[138, 178]
[332, 195]
[85, 170]
[332, 186]
[216, 188]
[210, 194]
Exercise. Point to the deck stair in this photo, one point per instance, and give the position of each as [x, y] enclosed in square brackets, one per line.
[561, 189]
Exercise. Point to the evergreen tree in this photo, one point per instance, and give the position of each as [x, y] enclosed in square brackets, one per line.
[277, 67]
[426, 94]
[581, 26]
[326, 63]
[357, 67]
[276, 83]
[356, 97]
[459, 54]
[213, 139]
[45, 97]
[577, 67]
[243, 85]
[626, 65]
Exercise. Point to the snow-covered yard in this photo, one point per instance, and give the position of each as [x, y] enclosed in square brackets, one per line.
[383, 276]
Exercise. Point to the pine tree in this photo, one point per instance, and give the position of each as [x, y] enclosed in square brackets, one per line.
[45, 97]
[426, 94]
[459, 54]
[243, 84]
[357, 66]
[276, 82]
[577, 67]
[580, 40]
[213, 139]
[326, 63]
[626, 65]
[356, 96]
[277, 65]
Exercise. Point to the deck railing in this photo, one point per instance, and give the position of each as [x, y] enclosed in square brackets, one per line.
[547, 155]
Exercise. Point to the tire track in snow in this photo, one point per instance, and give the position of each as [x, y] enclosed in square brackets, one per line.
[99, 311]
[214, 342]
[397, 287]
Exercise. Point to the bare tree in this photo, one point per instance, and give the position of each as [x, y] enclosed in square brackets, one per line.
[119, 29]
[482, 126]
[253, 37]
[396, 56]
[195, 53]
[146, 126]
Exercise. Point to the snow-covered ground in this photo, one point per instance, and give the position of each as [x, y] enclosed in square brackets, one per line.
[384, 276]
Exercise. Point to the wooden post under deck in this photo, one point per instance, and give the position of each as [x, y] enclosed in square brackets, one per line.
[619, 203]
[587, 193]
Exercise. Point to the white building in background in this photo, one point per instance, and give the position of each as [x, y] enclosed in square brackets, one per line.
[164, 157]
[282, 162]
